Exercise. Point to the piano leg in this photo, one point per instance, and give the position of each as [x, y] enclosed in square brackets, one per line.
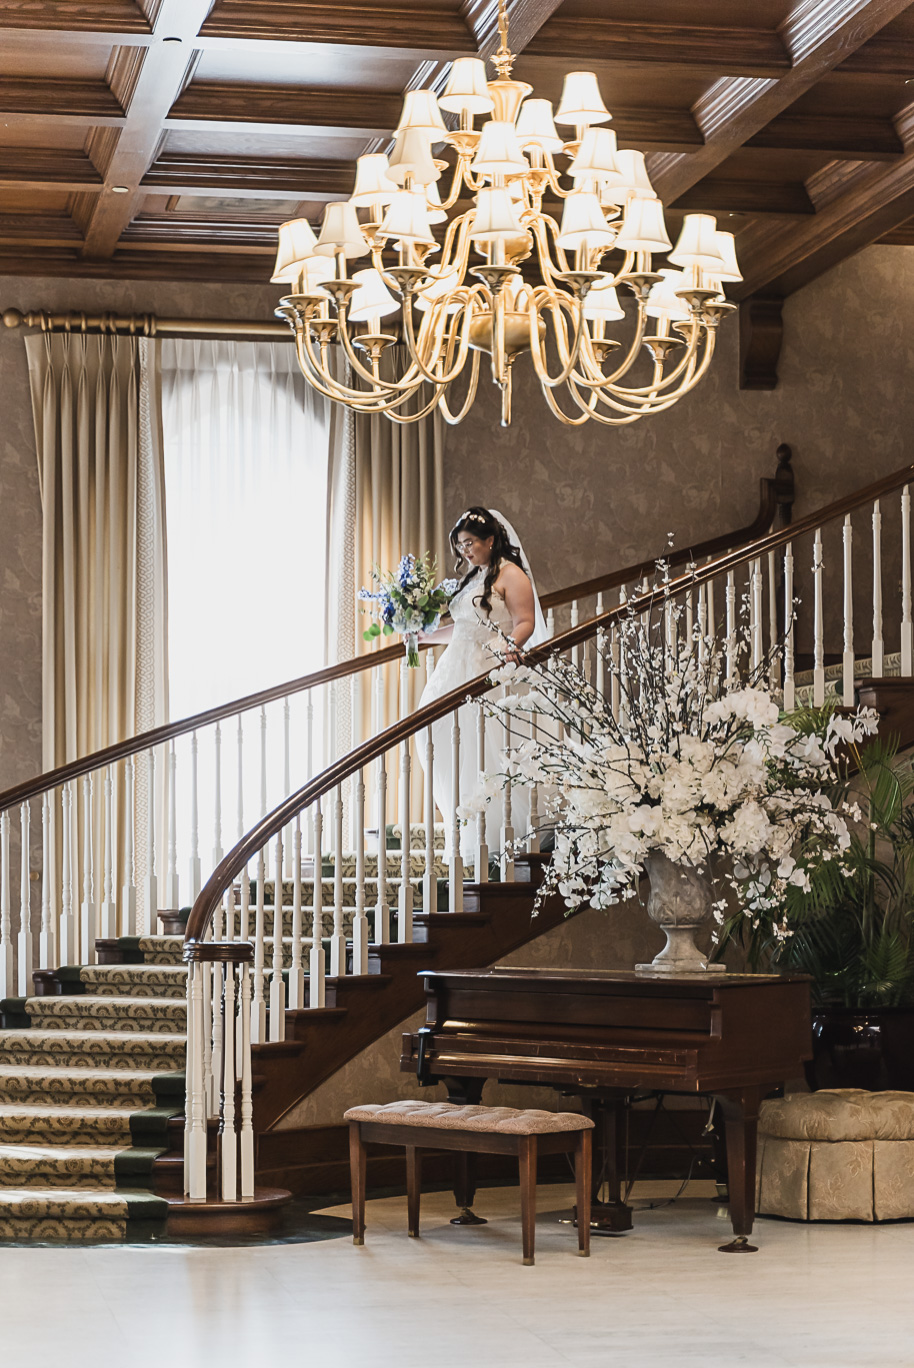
[612, 1217]
[740, 1110]
[464, 1092]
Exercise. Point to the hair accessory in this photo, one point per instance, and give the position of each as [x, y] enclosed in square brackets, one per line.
[472, 517]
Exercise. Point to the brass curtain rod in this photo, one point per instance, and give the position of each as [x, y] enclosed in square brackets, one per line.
[145, 325]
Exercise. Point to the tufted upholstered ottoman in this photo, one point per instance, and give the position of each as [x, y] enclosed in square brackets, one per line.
[525, 1132]
[837, 1155]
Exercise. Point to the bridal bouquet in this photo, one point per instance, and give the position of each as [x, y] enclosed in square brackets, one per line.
[689, 765]
[407, 600]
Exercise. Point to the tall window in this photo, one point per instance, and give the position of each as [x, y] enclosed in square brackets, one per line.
[246, 456]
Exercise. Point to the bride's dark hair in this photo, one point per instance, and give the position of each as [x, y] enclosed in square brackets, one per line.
[480, 523]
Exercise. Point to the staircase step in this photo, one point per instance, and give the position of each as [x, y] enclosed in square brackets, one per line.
[31, 1123]
[135, 980]
[75, 1213]
[93, 1049]
[58, 1166]
[161, 949]
[62, 1086]
[87, 1012]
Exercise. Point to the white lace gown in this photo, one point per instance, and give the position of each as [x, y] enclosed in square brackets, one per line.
[470, 652]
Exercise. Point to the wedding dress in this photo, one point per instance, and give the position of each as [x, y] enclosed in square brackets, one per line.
[472, 651]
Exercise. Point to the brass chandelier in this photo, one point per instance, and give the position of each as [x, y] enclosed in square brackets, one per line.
[475, 297]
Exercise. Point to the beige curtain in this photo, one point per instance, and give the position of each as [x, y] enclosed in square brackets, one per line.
[97, 412]
[385, 498]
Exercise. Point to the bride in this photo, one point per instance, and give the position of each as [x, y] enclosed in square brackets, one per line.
[496, 590]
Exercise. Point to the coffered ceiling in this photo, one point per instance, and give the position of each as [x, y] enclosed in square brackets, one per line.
[168, 138]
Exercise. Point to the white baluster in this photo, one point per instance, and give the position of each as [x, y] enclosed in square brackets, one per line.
[507, 830]
[277, 987]
[405, 900]
[601, 662]
[818, 672]
[287, 780]
[907, 628]
[702, 625]
[360, 922]
[88, 921]
[194, 867]
[259, 1010]
[316, 969]
[230, 934]
[455, 868]
[338, 937]
[732, 656]
[212, 1008]
[774, 659]
[68, 947]
[430, 876]
[247, 1103]
[151, 884]
[848, 659]
[712, 612]
[195, 1147]
[550, 623]
[382, 907]
[481, 871]
[172, 883]
[755, 615]
[47, 940]
[575, 619]
[296, 972]
[263, 763]
[615, 700]
[689, 620]
[878, 644]
[789, 614]
[228, 1140]
[128, 888]
[533, 836]
[217, 796]
[309, 765]
[7, 951]
[239, 800]
[108, 913]
[25, 904]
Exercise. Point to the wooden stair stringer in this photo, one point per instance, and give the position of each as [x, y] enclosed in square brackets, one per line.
[498, 921]
[893, 699]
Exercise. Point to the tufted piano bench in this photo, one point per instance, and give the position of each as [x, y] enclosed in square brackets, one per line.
[841, 1154]
[480, 1130]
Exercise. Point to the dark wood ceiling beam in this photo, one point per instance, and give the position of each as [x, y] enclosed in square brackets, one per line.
[885, 55]
[526, 19]
[737, 51]
[89, 17]
[40, 168]
[138, 263]
[251, 177]
[375, 25]
[878, 200]
[164, 69]
[852, 136]
[818, 35]
[73, 101]
[285, 109]
[717, 195]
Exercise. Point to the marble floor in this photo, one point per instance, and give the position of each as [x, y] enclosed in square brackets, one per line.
[813, 1297]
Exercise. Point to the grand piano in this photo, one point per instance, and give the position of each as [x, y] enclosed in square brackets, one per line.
[615, 1033]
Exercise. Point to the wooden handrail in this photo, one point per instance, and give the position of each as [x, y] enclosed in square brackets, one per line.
[342, 769]
[774, 493]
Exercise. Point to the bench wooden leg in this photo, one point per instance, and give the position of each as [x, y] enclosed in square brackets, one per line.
[357, 1170]
[413, 1188]
[582, 1168]
[526, 1155]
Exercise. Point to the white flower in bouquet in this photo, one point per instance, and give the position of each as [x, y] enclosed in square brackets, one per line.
[408, 601]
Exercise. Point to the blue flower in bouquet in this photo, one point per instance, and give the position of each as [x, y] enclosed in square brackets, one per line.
[407, 600]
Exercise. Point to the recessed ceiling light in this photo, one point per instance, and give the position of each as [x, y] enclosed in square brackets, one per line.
[120, 189]
[173, 39]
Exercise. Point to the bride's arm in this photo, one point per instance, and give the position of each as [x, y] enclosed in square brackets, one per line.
[517, 591]
[440, 634]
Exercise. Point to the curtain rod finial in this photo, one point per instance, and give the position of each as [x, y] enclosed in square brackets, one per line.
[13, 318]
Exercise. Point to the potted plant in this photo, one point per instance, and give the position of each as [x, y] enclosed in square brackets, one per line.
[852, 930]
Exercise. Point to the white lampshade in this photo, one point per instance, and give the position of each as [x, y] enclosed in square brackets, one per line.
[633, 177]
[583, 222]
[601, 301]
[442, 283]
[296, 244]
[596, 158]
[581, 101]
[698, 244]
[340, 232]
[412, 156]
[467, 88]
[407, 218]
[536, 126]
[643, 228]
[373, 186]
[372, 299]
[436, 212]
[496, 217]
[498, 153]
[420, 110]
[663, 302]
[727, 244]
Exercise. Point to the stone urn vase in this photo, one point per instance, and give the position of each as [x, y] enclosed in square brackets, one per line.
[680, 903]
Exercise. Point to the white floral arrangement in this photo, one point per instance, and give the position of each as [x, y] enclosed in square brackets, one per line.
[698, 767]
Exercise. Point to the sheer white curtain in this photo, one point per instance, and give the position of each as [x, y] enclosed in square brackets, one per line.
[246, 453]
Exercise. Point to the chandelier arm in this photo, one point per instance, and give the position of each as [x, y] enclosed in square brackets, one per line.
[405, 418]
[402, 386]
[658, 403]
[556, 302]
[454, 419]
[688, 363]
[331, 388]
[543, 224]
[591, 407]
[563, 417]
[457, 181]
[439, 308]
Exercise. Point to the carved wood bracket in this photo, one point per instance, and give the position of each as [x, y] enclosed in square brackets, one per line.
[761, 331]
